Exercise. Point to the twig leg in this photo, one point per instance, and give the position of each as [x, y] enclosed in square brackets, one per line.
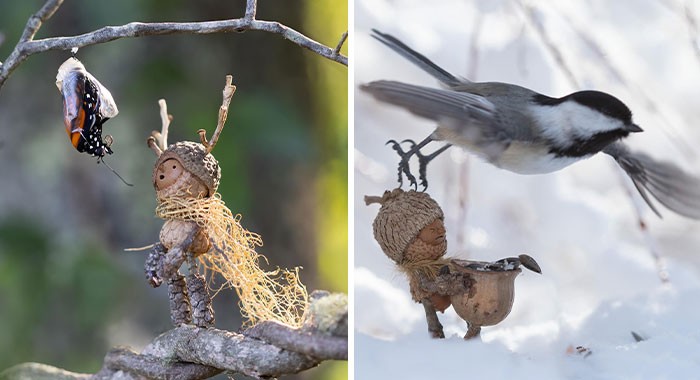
[180, 310]
[434, 326]
[202, 311]
[473, 331]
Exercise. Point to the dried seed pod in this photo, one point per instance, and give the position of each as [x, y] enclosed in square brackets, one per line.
[528, 262]
[490, 297]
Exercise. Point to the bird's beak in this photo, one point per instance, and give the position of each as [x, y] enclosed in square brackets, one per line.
[634, 128]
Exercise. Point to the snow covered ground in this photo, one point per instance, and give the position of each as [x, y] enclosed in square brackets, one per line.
[600, 282]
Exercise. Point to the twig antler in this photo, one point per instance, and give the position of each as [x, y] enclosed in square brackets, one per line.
[229, 90]
[158, 141]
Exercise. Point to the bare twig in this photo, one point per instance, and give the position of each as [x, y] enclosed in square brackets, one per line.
[27, 46]
[229, 90]
[158, 141]
[339, 46]
[251, 8]
[165, 120]
[532, 18]
[268, 350]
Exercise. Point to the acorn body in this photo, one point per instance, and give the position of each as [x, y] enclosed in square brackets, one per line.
[174, 231]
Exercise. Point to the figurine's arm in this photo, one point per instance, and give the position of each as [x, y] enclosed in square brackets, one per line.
[154, 265]
[446, 283]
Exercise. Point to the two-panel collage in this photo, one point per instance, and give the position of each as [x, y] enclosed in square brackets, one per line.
[349, 189]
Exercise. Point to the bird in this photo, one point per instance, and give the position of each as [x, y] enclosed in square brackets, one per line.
[525, 132]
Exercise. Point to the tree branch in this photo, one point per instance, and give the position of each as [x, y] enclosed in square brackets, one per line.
[267, 350]
[27, 46]
[320, 346]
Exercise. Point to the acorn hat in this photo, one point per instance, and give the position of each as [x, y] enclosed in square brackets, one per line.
[401, 218]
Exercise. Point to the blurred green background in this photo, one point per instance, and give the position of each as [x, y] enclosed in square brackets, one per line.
[68, 291]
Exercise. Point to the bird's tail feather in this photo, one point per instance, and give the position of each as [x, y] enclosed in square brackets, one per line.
[417, 58]
[667, 183]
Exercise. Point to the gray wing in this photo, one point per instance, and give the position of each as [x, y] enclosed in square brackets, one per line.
[667, 183]
[465, 119]
[432, 103]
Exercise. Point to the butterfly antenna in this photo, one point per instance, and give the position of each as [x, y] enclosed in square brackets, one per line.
[102, 159]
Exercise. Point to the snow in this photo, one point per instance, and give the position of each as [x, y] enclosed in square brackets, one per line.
[600, 282]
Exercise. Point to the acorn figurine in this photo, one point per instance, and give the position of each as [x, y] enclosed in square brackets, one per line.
[201, 230]
[410, 230]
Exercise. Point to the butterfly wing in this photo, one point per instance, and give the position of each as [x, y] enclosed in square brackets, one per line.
[87, 104]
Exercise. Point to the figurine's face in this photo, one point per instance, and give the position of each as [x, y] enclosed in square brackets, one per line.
[433, 233]
[168, 173]
[430, 244]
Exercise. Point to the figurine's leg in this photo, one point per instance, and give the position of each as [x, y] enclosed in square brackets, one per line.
[168, 268]
[434, 326]
[180, 311]
[473, 331]
[154, 265]
[202, 312]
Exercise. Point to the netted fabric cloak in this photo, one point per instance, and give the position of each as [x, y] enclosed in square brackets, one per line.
[275, 295]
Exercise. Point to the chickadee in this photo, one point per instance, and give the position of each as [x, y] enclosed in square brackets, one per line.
[520, 130]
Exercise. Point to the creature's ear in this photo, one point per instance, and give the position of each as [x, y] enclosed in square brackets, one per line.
[229, 89]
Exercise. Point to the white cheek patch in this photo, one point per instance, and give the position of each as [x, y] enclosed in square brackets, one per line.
[568, 121]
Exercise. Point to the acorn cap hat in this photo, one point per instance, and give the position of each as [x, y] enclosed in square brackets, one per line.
[401, 218]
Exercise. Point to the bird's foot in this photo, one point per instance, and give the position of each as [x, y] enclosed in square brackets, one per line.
[404, 168]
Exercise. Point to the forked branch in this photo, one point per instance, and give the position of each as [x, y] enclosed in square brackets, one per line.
[27, 46]
[229, 90]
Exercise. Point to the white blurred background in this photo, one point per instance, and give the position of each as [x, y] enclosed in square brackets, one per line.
[600, 279]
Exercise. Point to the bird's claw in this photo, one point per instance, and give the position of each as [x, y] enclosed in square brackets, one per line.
[404, 168]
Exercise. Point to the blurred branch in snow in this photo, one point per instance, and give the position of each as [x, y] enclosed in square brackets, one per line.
[692, 29]
[462, 187]
[643, 227]
[532, 18]
[27, 46]
[267, 350]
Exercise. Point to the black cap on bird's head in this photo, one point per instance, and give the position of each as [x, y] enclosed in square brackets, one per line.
[607, 105]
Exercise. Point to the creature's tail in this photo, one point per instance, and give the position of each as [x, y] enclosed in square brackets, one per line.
[418, 59]
[667, 183]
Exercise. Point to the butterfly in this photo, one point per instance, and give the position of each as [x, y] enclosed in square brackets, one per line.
[87, 104]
